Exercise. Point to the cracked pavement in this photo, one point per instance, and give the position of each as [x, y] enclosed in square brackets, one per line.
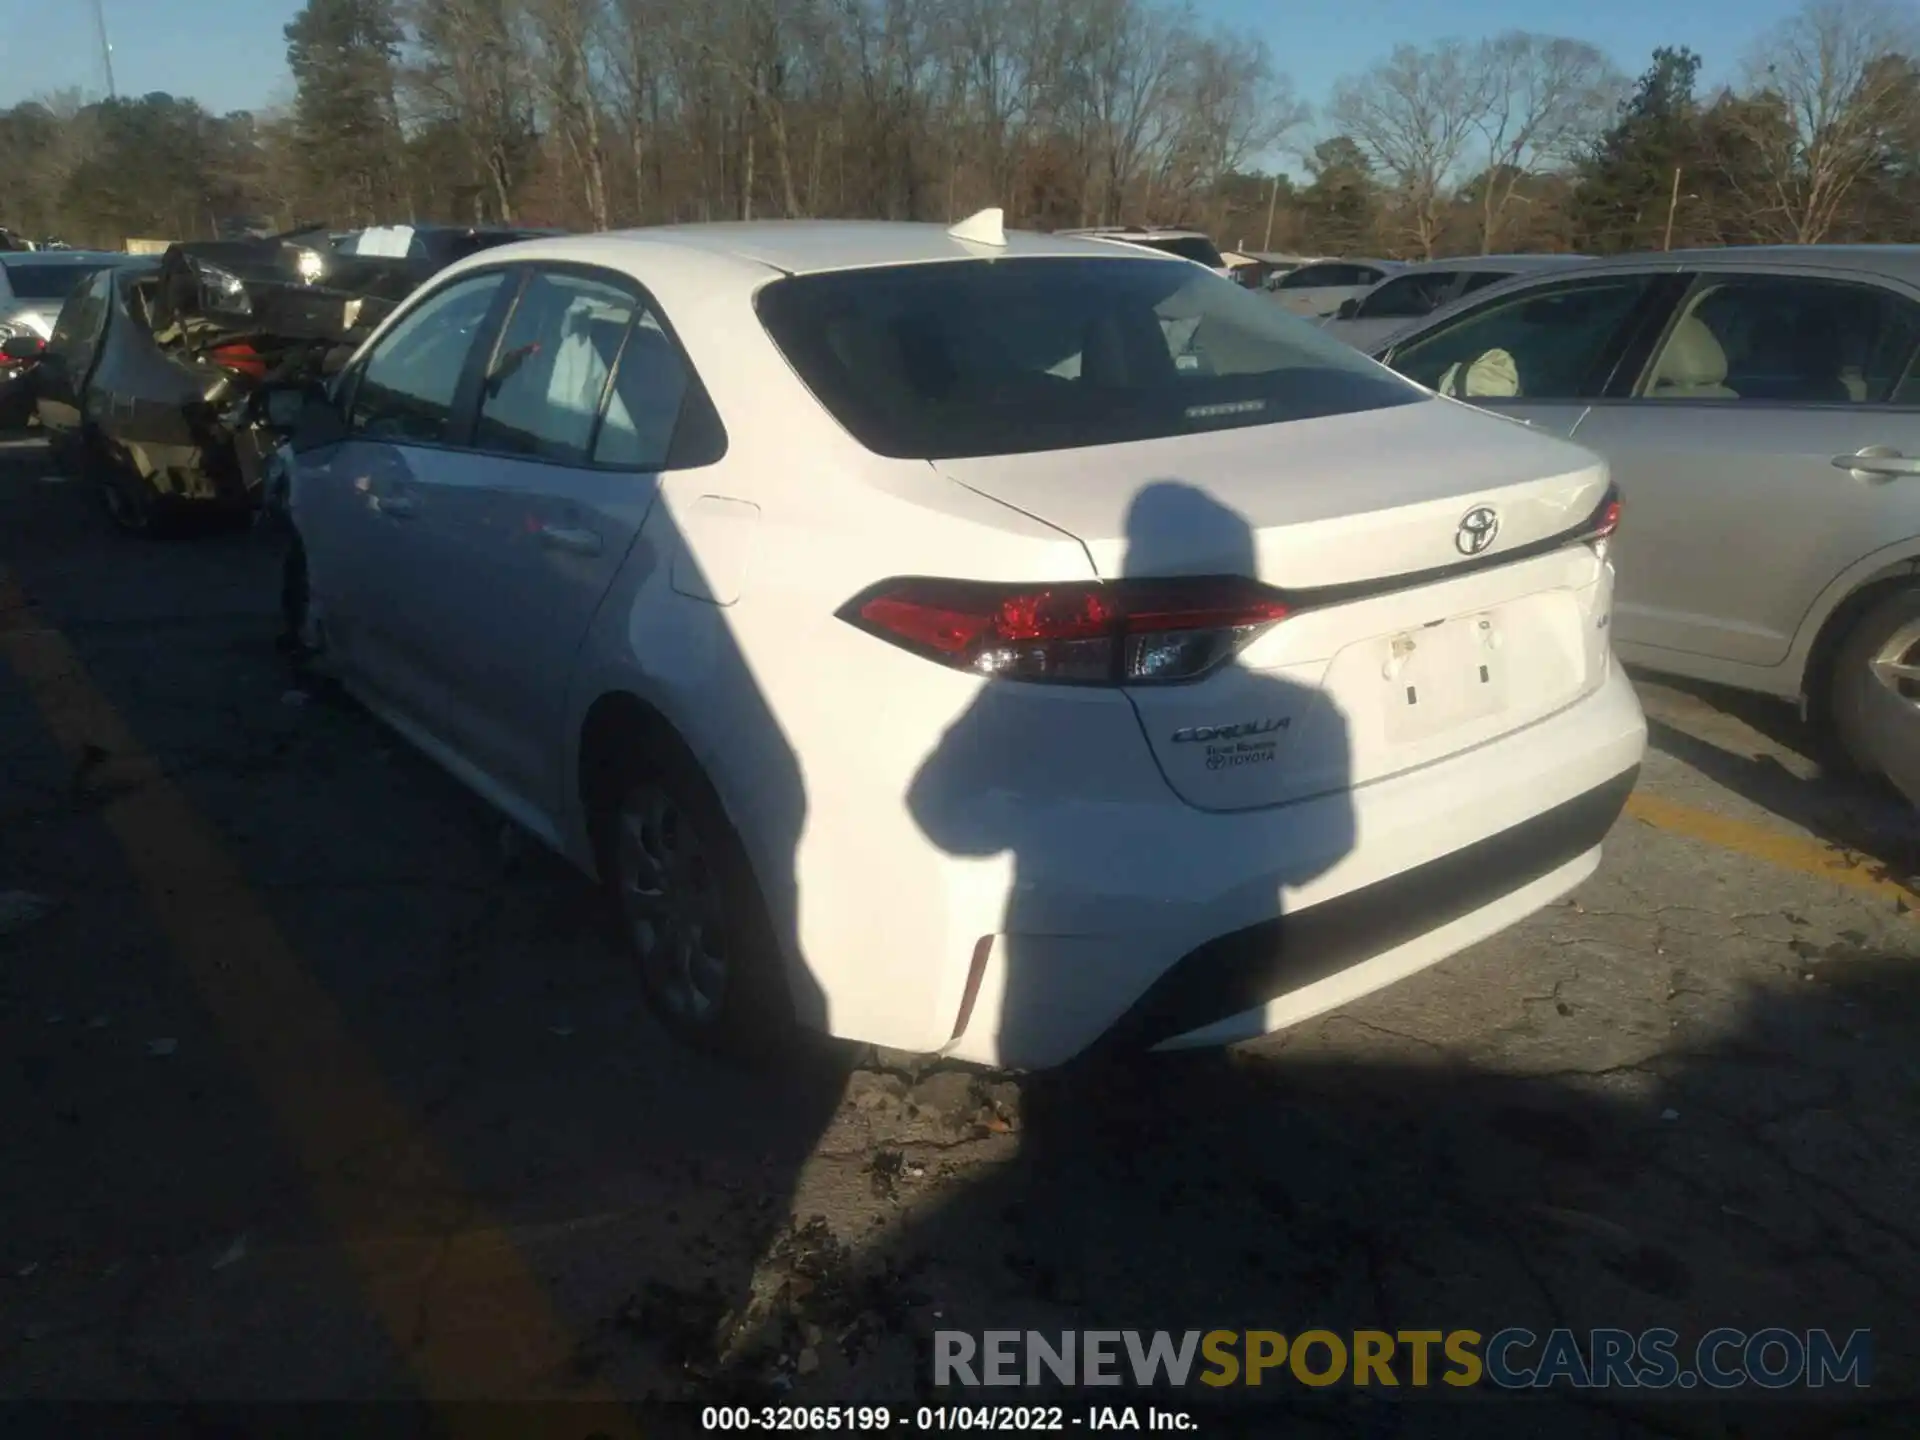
[1684, 1097]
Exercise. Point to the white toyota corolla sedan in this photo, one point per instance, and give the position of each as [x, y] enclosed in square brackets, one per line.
[966, 641]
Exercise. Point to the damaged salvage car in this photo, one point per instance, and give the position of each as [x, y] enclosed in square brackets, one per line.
[150, 388]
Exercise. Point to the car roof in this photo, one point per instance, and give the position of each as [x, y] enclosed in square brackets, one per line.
[59, 257]
[1902, 261]
[1898, 261]
[1139, 232]
[1394, 265]
[1506, 264]
[809, 247]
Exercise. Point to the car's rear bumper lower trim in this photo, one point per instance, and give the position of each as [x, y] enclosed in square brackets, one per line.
[1248, 968]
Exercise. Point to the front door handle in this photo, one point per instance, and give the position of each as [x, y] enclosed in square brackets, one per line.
[1882, 461]
[395, 507]
[570, 538]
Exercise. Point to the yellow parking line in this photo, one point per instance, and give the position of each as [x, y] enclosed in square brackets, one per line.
[470, 1318]
[1775, 847]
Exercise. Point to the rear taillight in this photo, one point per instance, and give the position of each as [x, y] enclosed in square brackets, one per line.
[1127, 632]
[22, 346]
[1605, 521]
[239, 356]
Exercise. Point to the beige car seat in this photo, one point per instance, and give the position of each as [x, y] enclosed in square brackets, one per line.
[1692, 367]
[1493, 375]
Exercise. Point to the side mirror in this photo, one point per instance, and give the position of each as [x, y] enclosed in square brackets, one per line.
[284, 403]
[304, 412]
[1348, 309]
[21, 348]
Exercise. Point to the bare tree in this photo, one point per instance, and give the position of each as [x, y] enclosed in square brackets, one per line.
[469, 74]
[1231, 107]
[1414, 114]
[993, 76]
[1130, 70]
[1825, 90]
[1542, 97]
[566, 37]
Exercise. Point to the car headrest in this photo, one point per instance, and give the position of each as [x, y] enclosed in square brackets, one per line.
[1693, 357]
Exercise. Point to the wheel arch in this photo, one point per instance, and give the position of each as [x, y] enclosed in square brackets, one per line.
[617, 723]
[1845, 602]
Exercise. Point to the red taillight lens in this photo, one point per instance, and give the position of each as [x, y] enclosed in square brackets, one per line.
[1605, 521]
[1129, 632]
[239, 356]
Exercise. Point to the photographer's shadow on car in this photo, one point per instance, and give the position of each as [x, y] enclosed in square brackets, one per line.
[1118, 933]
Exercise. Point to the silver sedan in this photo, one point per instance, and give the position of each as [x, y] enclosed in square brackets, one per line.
[1761, 411]
[34, 284]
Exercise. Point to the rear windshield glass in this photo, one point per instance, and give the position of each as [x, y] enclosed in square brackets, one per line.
[1188, 247]
[48, 282]
[1005, 357]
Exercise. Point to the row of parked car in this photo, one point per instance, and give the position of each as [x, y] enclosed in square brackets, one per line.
[145, 371]
[1006, 644]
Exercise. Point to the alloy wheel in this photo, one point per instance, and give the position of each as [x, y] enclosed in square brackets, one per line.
[673, 904]
[1896, 664]
[122, 509]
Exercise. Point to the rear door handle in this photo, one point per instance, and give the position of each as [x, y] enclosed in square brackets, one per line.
[395, 507]
[1880, 460]
[572, 539]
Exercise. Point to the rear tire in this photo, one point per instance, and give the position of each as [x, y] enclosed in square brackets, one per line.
[688, 908]
[1893, 624]
[129, 502]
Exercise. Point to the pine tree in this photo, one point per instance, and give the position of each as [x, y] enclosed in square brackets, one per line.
[343, 55]
[1627, 179]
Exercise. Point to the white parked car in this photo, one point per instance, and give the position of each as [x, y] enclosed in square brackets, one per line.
[920, 650]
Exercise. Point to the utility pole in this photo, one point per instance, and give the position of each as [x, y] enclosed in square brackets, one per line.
[106, 47]
[1673, 204]
[1273, 195]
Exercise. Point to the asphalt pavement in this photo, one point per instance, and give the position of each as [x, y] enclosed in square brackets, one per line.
[320, 1083]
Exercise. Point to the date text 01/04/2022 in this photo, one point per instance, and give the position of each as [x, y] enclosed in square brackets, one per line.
[976, 1419]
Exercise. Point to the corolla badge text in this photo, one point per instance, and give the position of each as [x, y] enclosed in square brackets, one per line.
[1195, 733]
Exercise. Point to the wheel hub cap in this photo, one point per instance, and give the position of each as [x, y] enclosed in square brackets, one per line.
[671, 899]
[1897, 666]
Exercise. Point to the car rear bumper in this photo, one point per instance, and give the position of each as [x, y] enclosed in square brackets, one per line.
[1218, 927]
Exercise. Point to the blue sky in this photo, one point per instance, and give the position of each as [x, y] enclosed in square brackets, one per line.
[229, 54]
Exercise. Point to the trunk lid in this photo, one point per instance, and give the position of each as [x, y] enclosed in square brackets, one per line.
[1332, 501]
[1413, 641]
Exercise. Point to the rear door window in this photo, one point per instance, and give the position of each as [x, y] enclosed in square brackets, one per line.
[76, 333]
[544, 389]
[652, 387]
[973, 358]
[1545, 343]
[1786, 340]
